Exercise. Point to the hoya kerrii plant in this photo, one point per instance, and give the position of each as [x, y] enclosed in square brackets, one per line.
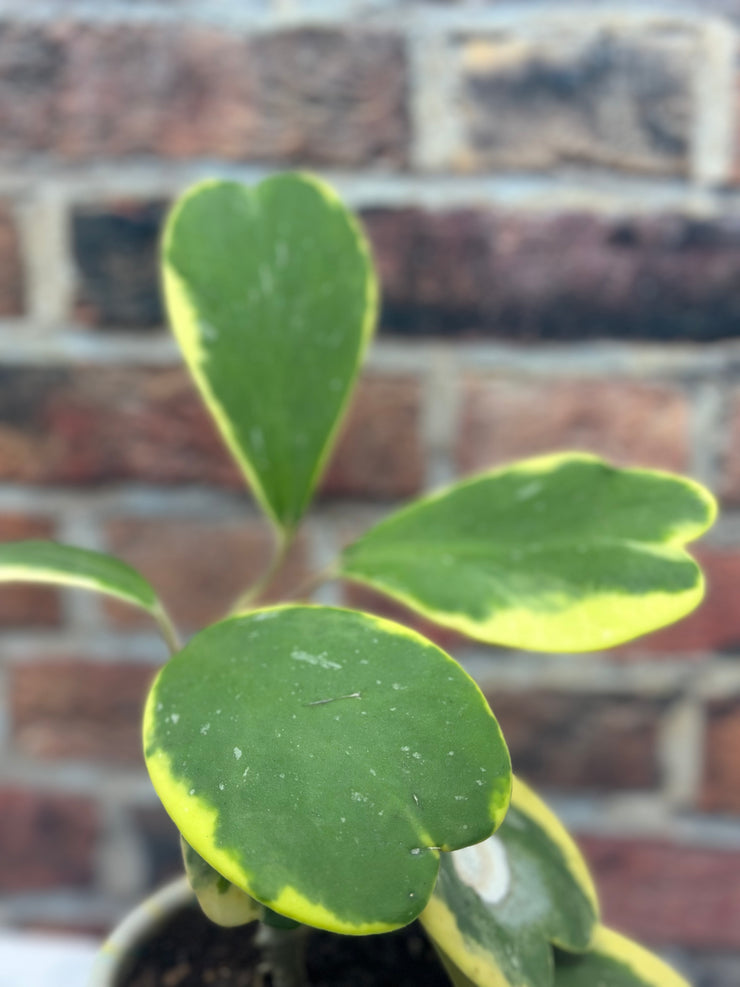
[331, 769]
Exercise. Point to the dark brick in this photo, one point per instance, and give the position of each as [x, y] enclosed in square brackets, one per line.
[48, 840]
[69, 708]
[665, 893]
[565, 275]
[579, 741]
[116, 252]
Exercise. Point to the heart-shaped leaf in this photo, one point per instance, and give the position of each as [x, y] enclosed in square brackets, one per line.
[614, 961]
[272, 297]
[320, 759]
[498, 907]
[557, 553]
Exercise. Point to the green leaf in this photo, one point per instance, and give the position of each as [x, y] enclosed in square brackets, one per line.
[498, 907]
[221, 901]
[272, 297]
[319, 759]
[49, 562]
[557, 553]
[614, 961]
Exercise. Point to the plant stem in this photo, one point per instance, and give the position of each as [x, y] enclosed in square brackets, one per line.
[283, 954]
[167, 629]
[253, 592]
[307, 586]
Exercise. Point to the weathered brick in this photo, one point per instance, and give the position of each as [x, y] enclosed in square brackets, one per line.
[23, 604]
[721, 783]
[715, 625]
[94, 425]
[557, 275]
[11, 265]
[379, 452]
[198, 567]
[600, 94]
[571, 741]
[71, 708]
[666, 893]
[631, 423]
[320, 96]
[115, 250]
[48, 840]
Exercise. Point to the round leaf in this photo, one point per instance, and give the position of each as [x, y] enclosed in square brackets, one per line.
[272, 297]
[558, 553]
[319, 759]
[498, 907]
[614, 961]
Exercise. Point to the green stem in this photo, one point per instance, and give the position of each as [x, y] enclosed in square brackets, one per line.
[167, 629]
[253, 592]
[303, 590]
[283, 954]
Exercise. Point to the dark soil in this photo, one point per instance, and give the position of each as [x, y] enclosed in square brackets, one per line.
[190, 951]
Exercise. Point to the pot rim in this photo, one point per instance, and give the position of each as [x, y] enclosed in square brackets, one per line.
[136, 926]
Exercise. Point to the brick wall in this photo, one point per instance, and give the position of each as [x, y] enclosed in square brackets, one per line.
[553, 194]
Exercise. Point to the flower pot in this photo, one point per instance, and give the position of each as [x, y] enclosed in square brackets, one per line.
[400, 959]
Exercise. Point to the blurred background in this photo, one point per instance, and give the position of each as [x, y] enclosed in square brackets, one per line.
[552, 190]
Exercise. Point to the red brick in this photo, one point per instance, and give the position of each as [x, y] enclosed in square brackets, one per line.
[506, 418]
[11, 264]
[379, 453]
[557, 275]
[715, 625]
[730, 482]
[93, 425]
[198, 567]
[574, 741]
[68, 708]
[22, 604]
[48, 840]
[665, 893]
[721, 784]
[178, 91]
